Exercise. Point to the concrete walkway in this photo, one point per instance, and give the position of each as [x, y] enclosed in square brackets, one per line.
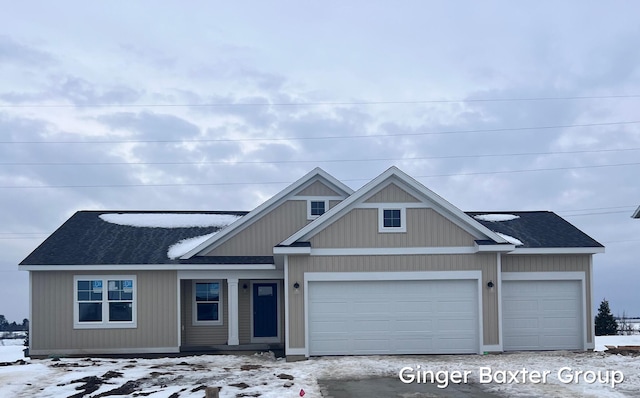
[392, 387]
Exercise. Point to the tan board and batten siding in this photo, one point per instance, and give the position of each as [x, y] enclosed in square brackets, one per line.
[259, 238]
[211, 335]
[318, 189]
[555, 263]
[487, 263]
[392, 194]
[359, 228]
[51, 310]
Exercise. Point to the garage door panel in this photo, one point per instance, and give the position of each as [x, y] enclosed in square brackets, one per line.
[542, 315]
[394, 317]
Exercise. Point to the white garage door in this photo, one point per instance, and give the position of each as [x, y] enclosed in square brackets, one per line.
[542, 315]
[393, 317]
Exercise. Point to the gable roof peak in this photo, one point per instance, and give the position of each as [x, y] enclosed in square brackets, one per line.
[265, 207]
[361, 193]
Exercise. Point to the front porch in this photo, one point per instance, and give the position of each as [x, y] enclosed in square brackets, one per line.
[231, 312]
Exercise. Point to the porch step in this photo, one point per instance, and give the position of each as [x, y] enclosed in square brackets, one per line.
[277, 349]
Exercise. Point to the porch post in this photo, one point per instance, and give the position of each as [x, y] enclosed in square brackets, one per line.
[232, 300]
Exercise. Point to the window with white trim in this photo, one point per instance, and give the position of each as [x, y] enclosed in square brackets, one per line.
[104, 301]
[316, 208]
[207, 303]
[392, 220]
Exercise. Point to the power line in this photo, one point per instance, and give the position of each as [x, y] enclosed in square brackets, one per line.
[213, 162]
[320, 103]
[289, 182]
[333, 137]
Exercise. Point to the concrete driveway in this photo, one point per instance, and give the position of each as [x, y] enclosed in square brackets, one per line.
[391, 387]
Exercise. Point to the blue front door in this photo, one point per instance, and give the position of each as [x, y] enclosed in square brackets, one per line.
[265, 310]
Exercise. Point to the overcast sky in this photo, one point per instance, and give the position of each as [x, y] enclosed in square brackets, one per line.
[163, 106]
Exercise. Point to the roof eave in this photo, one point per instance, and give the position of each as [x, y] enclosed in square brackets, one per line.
[559, 250]
[146, 267]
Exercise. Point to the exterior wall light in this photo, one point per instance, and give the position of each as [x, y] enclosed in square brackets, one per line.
[296, 286]
[244, 287]
[490, 284]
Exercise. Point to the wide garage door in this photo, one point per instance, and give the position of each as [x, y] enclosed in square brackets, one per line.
[542, 315]
[393, 317]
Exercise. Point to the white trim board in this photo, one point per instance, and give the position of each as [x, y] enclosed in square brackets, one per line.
[241, 274]
[558, 250]
[148, 267]
[393, 251]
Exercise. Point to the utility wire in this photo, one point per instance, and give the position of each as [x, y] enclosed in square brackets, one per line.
[289, 182]
[320, 103]
[329, 137]
[213, 162]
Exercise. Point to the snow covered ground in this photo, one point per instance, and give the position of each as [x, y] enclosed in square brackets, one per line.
[248, 376]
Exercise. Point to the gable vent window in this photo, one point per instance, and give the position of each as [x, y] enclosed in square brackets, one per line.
[392, 220]
[316, 208]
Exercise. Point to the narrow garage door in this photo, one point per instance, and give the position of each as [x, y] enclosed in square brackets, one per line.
[542, 315]
[393, 317]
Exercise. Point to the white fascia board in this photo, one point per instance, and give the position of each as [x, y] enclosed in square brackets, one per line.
[148, 267]
[260, 210]
[229, 274]
[495, 248]
[406, 179]
[292, 250]
[558, 250]
[393, 251]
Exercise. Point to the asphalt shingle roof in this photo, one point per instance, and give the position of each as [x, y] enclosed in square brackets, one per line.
[86, 239]
[538, 229]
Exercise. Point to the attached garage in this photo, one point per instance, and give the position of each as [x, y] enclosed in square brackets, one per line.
[393, 317]
[542, 315]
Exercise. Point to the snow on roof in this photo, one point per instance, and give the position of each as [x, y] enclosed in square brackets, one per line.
[186, 245]
[169, 220]
[496, 217]
[510, 239]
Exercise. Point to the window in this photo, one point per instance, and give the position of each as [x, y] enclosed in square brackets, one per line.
[316, 208]
[392, 220]
[96, 307]
[207, 307]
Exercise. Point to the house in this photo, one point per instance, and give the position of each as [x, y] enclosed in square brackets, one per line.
[636, 214]
[318, 269]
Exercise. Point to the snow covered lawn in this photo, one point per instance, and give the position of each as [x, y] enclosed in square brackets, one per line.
[265, 376]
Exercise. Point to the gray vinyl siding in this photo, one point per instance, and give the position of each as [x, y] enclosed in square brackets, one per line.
[52, 298]
[318, 189]
[202, 335]
[555, 263]
[359, 228]
[218, 334]
[298, 265]
[391, 194]
[259, 238]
